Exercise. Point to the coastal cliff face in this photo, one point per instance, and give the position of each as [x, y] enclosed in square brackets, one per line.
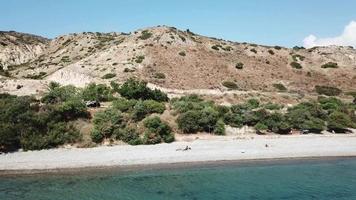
[177, 60]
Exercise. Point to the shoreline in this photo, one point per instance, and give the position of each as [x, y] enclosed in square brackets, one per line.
[172, 166]
[216, 151]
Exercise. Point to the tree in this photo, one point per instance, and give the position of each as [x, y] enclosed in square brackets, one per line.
[97, 92]
[188, 122]
[157, 131]
[105, 123]
[339, 122]
[219, 128]
[134, 89]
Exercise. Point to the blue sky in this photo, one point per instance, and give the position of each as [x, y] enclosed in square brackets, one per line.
[270, 22]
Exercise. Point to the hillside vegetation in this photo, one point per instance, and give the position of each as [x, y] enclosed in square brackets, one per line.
[136, 116]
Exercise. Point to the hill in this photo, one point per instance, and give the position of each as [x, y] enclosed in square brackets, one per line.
[178, 62]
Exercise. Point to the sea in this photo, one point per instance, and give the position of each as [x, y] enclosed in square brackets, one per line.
[324, 179]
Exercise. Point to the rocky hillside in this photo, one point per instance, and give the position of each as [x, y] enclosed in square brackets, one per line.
[18, 48]
[174, 60]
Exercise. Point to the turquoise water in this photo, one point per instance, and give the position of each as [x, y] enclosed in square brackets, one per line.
[299, 180]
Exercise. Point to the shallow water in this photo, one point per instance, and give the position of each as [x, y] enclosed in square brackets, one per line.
[299, 180]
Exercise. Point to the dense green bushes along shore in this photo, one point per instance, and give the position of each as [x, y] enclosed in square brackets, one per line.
[134, 116]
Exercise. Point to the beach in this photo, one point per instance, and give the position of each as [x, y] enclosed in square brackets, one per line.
[210, 149]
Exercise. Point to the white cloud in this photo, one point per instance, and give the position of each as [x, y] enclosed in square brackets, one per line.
[347, 38]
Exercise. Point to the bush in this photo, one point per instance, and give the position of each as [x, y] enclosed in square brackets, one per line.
[239, 65]
[208, 119]
[145, 35]
[215, 47]
[182, 53]
[260, 127]
[339, 122]
[105, 123]
[139, 59]
[330, 103]
[188, 122]
[219, 128]
[134, 89]
[295, 57]
[58, 94]
[159, 76]
[157, 132]
[296, 65]
[24, 124]
[277, 47]
[71, 109]
[272, 106]
[308, 116]
[327, 90]
[154, 106]
[271, 52]
[108, 76]
[128, 135]
[123, 104]
[143, 108]
[97, 92]
[230, 85]
[253, 50]
[330, 65]
[280, 87]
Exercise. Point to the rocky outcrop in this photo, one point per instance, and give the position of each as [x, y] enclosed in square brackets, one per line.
[19, 48]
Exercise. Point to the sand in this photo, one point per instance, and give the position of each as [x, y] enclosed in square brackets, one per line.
[225, 148]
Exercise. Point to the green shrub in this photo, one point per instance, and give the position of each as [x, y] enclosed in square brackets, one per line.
[154, 106]
[261, 127]
[108, 76]
[296, 65]
[272, 106]
[271, 52]
[143, 108]
[96, 136]
[208, 119]
[97, 92]
[182, 53]
[157, 132]
[219, 128]
[215, 47]
[124, 105]
[139, 59]
[58, 94]
[134, 89]
[330, 103]
[105, 123]
[230, 85]
[339, 122]
[309, 116]
[239, 65]
[188, 122]
[25, 124]
[71, 109]
[330, 65]
[159, 75]
[295, 57]
[253, 50]
[145, 35]
[280, 87]
[328, 90]
[277, 47]
[233, 119]
[128, 135]
[41, 75]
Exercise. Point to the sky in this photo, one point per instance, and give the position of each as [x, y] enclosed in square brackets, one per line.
[269, 22]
